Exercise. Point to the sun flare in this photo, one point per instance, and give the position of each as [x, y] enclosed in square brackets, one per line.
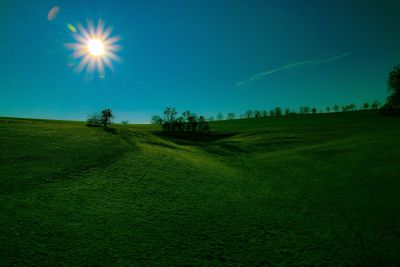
[95, 48]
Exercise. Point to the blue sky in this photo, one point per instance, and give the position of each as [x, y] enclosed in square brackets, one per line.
[205, 56]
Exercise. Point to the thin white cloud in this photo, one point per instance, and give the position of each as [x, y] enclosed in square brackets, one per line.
[308, 63]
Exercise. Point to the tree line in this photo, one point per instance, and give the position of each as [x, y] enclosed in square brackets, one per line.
[278, 111]
[391, 106]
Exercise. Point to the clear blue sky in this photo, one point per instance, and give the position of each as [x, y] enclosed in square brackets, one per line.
[207, 56]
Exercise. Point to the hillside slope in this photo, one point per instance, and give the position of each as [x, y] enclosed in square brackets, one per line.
[292, 191]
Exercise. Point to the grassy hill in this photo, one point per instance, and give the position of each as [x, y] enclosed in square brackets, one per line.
[306, 190]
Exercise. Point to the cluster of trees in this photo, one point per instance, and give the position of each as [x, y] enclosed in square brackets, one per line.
[187, 122]
[103, 118]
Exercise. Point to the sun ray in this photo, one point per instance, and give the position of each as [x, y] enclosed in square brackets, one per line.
[99, 30]
[83, 31]
[100, 66]
[106, 33]
[91, 66]
[114, 57]
[113, 48]
[108, 63]
[92, 31]
[112, 40]
[83, 63]
[95, 48]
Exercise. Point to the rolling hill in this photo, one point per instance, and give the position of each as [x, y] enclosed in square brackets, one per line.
[304, 190]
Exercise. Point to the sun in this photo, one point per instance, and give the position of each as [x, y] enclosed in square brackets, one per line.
[94, 48]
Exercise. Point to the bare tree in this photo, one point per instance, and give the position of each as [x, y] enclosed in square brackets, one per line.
[231, 116]
[366, 105]
[186, 115]
[220, 116]
[265, 113]
[376, 104]
[272, 112]
[328, 109]
[249, 114]
[278, 111]
[304, 110]
[336, 108]
[287, 111]
[314, 110]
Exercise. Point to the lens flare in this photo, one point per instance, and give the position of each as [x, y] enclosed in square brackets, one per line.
[52, 14]
[95, 48]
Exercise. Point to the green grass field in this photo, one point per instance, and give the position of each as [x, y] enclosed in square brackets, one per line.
[305, 190]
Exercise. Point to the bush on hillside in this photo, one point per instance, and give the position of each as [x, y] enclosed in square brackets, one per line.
[100, 119]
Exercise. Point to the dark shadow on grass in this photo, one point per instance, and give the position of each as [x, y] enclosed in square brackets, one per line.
[110, 130]
[106, 129]
[195, 137]
[208, 142]
[224, 149]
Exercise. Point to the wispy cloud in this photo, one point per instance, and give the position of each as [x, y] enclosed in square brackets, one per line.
[307, 63]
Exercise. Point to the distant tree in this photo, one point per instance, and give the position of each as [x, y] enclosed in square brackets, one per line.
[272, 112]
[328, 109]
[278, 111]
[352, 107]
[192, 124]
[186, 115]
[169, 121]
[366, 105]
[257, 114]
[393, 101]
[124, 122]
[314, 110]
[106, 116]
[287, 111]
[376, 104]
[231, 116]
[157, 120]
[265, 113]
[336, 108]
[203, 125]
[220, 116]
[304, 110]
[249, 114]
[211, 118]
[169, 114]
